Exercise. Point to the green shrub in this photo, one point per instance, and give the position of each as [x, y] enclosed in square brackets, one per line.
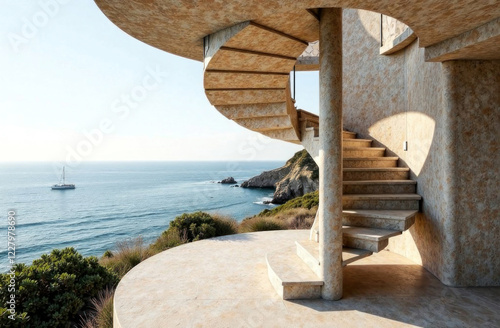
[19, 319]
[55, 288]
[201, 225]
[261, 224]
[194, 226]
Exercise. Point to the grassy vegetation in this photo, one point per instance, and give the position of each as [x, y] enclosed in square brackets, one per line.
[259, 223]
[185, 228]
[129, 253]
[101, 314]
[308, 201]
[295, 218]
[168, 239]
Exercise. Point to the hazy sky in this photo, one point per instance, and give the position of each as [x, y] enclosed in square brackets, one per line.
[75, 87]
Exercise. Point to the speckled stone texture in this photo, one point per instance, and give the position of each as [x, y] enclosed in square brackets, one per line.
[391, 29]
[408, 187]
[255, 38]
[255, 110]
[330, 153]
[223, 283]
[228, 59]
[231, 80]
[392, 173]
[178, 26]
[449, 114]
[482, 42]
[266, 123]
[472, 99]
[249, 96]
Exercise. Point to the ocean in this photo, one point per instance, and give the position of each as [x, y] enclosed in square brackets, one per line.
[115, 201]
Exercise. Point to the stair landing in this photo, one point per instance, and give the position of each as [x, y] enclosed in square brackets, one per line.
[223, 282]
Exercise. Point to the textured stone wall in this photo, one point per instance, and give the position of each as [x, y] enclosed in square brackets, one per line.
[449, 114]
[472, 98]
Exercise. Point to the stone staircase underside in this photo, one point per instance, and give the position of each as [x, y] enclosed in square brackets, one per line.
[247, 71]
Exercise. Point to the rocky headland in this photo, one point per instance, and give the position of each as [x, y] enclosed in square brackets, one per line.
[299, 176]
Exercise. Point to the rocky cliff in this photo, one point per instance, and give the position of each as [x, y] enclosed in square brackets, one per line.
[299, 176]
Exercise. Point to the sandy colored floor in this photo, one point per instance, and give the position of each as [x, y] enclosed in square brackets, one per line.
[223, 282]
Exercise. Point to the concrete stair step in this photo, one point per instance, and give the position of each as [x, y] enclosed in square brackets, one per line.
[219, 79]
[348, 135]
[377, 173]
[290, 276]
[245, 96]
[261, 124]
[381, 202]
[276, 42]
[370, 162]
[242, 111]
[356, 143]
[350, 152]
[231, 59]
[285, 135]
[308, 251]
[399, 220]
[379, 187]
[370, 239]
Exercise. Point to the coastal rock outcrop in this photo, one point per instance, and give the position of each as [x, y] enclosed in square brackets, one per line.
[229, 180]
[267, 179]
[299, 176]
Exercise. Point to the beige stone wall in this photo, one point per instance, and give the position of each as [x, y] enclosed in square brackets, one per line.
[453, 139]
[472, 98]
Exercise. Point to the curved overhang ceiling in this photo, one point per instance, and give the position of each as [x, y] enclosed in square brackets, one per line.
[179, 26]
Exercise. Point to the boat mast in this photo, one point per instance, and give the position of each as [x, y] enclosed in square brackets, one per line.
[64, 177]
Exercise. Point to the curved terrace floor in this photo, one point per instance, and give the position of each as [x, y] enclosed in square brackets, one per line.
[222, 282]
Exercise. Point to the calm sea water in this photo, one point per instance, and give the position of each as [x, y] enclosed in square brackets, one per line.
[116, 201]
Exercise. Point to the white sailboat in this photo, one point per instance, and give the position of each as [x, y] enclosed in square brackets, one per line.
[62, 185]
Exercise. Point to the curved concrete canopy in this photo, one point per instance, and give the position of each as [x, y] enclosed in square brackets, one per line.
[178, 26]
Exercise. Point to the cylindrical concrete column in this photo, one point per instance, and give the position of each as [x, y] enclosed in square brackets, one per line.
[330, 153]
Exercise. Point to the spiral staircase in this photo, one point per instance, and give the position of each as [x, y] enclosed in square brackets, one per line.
[246, 77]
